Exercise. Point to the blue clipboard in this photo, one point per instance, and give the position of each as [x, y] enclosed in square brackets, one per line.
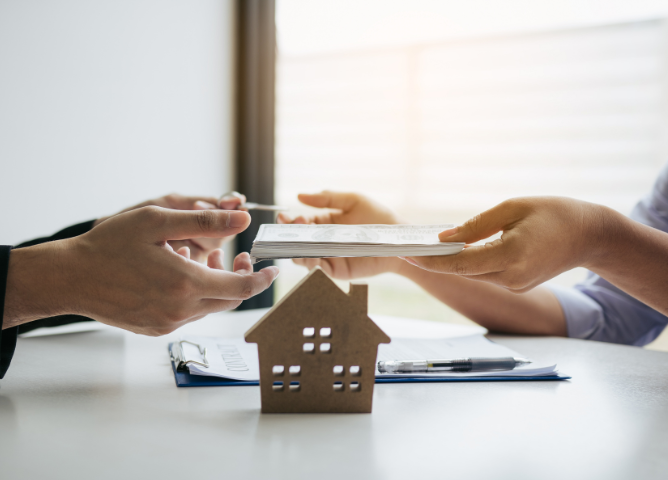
[185, 379]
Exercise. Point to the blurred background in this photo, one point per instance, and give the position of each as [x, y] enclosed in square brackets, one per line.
[442, 109]
[106, 104]
[438, 108]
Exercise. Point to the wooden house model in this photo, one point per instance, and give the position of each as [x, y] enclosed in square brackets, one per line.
[317, 349]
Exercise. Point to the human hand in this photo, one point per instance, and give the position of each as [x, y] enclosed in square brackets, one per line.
[125, 273]
[198, 249]
[348, 209]
[542, 237]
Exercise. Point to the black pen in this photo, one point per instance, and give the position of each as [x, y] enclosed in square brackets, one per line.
[453, 365]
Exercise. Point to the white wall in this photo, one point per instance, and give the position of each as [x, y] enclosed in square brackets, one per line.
[106, 104]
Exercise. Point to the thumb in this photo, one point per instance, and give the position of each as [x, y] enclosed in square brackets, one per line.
[231, 201]
[183, 224]
[483, 225]
[327, 199]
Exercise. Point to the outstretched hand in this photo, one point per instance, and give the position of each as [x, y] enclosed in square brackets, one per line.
[542, 237]
[125, 273]
[345, 209]
[196, 248]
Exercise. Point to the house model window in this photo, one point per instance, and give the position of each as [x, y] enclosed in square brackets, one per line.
[317, 349]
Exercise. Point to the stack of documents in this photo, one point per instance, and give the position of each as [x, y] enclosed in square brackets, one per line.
[233, 361]
[318, 241]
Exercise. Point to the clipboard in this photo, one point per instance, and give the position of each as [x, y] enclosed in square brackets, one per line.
[184, 378]
[182, 374]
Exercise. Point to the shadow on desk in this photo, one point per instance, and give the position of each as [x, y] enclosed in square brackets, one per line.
[8, 415]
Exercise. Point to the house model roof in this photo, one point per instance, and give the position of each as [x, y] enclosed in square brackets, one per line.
[314, 298]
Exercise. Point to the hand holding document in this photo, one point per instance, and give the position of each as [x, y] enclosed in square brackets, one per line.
[328, 240]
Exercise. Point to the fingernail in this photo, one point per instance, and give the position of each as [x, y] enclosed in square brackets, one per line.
[237, 219]
[409, 260]
[277, 271]
[231, 196]
[447, 233]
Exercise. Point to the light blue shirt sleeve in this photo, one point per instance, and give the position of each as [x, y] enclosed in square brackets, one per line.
[597, 310]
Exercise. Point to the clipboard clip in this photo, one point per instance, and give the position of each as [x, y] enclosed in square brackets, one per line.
[179, 357]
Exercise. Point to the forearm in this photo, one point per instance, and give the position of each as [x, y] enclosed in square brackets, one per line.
[37, 284]
[536, 312]
[633, 257]
[21, 304]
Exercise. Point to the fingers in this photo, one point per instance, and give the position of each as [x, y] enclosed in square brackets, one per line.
[184, 252]
[485, 224]
[215, 259]
[283, 218]
[327, 199]
[475, 260]
[328, 265]
[231, 201]
[181, 225]
[325, 218]
[242, 264]
[309, 263]
[182, 202]
[301, 220]
[201, 205]
[221, 285]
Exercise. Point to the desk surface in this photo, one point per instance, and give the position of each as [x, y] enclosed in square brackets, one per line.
[104, 405]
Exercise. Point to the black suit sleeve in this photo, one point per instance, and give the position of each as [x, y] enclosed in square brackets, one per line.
[69, 232]
[8, 336]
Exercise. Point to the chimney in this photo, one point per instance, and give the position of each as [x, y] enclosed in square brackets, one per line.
[359, 293]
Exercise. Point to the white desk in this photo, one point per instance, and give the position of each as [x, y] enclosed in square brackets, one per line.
[68, 413]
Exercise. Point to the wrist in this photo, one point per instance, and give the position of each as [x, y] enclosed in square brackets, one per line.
[37, 283]
[605, 237]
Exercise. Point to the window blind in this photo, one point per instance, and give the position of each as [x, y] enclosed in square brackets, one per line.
[443, 131]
